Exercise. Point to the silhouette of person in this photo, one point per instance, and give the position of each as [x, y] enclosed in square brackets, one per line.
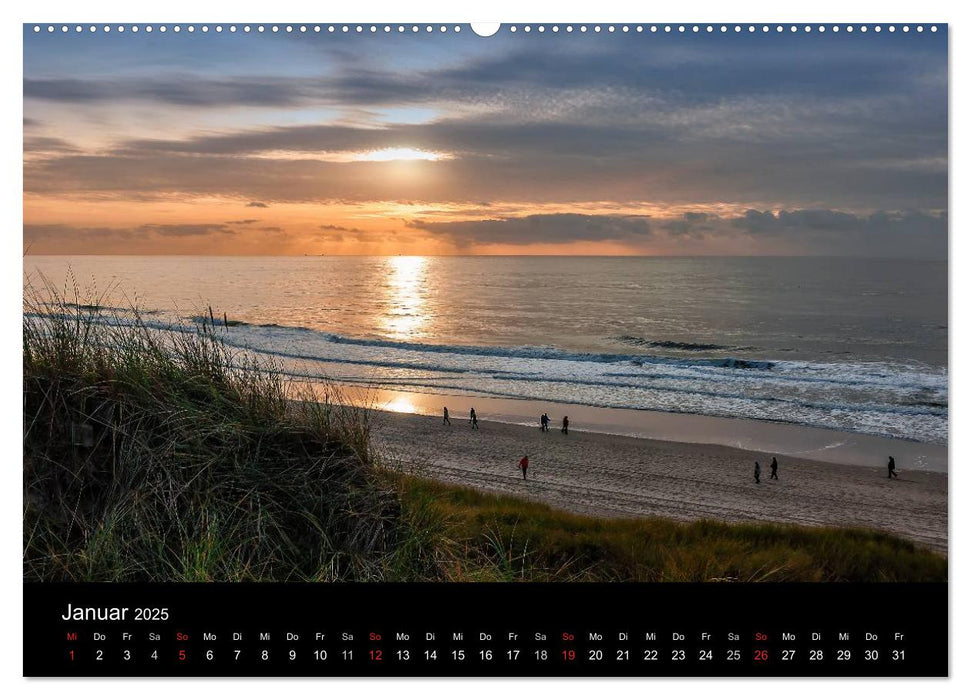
[473, 421]
[775, 469]
[566, 426]
[892, 469]
[445, 420]
[524, 465]
[758, 473]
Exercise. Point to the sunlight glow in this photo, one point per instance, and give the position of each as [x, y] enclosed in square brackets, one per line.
[401, 154]
[400, 404]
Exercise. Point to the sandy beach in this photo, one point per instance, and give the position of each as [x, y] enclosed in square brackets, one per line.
[617, 476]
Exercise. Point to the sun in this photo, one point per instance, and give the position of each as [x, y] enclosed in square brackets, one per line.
[401, 154]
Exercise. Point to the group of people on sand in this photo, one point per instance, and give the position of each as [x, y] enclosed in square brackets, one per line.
[473, 419]
[544, 424]
[891, 470]
[774, 467]
[544, 421]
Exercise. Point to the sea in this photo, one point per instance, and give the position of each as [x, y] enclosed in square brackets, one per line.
[856, 345]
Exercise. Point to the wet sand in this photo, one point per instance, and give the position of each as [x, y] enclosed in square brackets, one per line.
[618, 476]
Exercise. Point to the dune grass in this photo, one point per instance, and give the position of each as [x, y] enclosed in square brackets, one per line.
[161, 455]
[471, 535]
[168, 456]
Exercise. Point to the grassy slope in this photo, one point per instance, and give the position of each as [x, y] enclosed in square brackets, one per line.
[473, 535]
[196, 470]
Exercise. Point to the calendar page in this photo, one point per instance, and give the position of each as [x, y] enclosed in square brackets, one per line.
[545, 349]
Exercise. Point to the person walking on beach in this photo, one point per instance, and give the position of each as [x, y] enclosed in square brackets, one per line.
[445, 420]
[892, 469]
[758, 473]
[524, 465]
[473, 421]
[544, 423]
[566, 425]
[775, 469]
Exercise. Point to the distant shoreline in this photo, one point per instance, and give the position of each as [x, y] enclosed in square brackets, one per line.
[621, 476]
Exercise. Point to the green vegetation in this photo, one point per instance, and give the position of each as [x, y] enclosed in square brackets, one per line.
[158, 455]
[468, 535]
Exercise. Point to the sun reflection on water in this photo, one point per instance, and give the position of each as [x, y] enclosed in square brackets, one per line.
[400, 404]
[405, 303]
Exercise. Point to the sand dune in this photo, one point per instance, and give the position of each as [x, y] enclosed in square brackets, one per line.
[613, 476]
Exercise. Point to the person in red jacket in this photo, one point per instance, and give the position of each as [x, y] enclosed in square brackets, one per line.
[524, 465]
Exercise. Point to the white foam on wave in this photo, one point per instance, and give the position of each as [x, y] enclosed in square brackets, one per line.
[890, 399]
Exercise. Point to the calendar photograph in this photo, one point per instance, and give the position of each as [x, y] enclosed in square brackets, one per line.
[556, 304]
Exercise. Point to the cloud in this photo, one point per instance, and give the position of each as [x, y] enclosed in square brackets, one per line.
[186, 91]
[331, 227]
[690, 224]
[64, 231]
[49, 145]
[242, 222]
[799, 232]
[258, 205]
[542, 228]
[179, 230]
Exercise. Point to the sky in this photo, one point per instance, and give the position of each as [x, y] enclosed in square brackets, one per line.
[451, 143]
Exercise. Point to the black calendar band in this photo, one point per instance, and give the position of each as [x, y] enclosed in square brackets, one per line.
[345, 630]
